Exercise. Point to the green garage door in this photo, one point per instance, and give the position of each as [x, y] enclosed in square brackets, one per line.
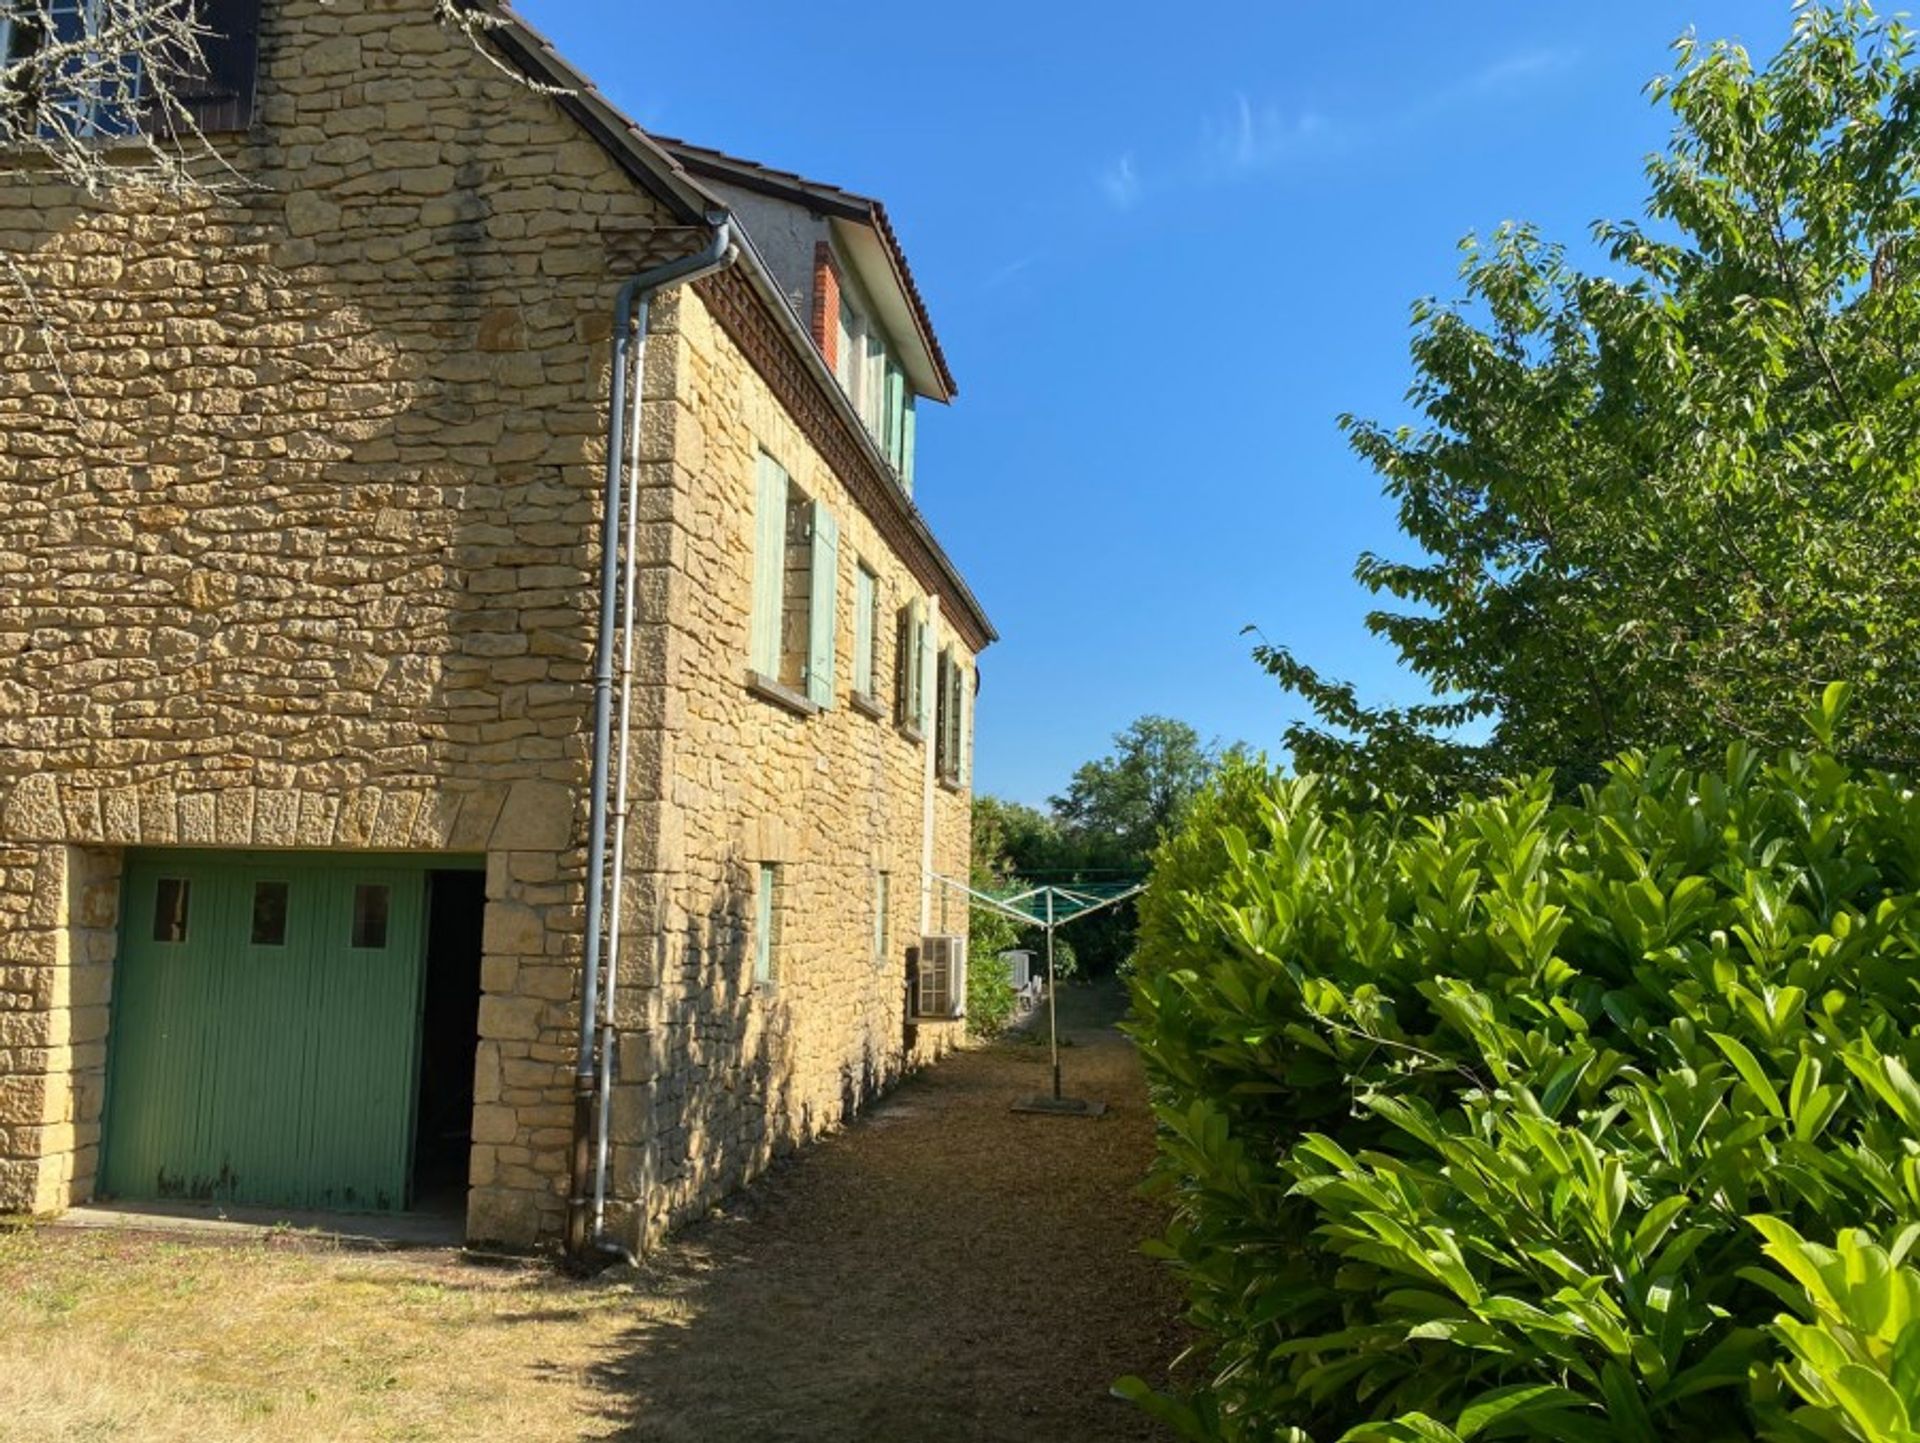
[266, 1029]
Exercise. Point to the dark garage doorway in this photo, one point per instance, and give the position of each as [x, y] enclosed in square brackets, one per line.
[449, 1033]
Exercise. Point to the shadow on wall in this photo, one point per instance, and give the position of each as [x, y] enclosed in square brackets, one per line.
[708, 1095]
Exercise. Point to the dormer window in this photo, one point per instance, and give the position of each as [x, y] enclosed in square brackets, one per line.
[876, 384]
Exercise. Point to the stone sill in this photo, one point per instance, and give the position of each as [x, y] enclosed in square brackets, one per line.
[866, 705]
[781, 695]
[951, 784]
[912, 733]
[918, 1021]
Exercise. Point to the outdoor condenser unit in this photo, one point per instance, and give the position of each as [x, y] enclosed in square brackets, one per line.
[941, 990]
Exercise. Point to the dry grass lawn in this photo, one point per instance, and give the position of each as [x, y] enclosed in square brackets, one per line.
[941, 1272]
[106, 1336]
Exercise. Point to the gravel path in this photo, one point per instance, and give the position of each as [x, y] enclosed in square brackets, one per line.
[943, 1270]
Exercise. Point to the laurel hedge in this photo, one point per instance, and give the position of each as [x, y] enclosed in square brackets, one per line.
[1589, 1120]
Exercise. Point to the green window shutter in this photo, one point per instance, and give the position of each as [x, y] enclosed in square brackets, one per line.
[863, 599]
[923, 643]
[906, 445]
[769, 566]
[902, 659]
[963, 762]
[896, 415]
[942, 715]
[823, 624]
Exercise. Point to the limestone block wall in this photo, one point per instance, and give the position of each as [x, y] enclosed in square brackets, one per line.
[303, 561]
[718, 1074]
[298, 522]
[56, 957]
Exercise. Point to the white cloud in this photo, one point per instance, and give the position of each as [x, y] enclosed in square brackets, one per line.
[1257, 137]
[1521, 68]
[1120, 182]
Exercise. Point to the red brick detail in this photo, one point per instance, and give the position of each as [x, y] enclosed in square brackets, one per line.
[826, 304]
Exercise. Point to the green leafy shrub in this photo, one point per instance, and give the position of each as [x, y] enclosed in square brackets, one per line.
[1855, 1357]
[1463, 1117]
[989, 980]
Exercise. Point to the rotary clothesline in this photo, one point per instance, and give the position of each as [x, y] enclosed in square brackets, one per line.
[1050, 908]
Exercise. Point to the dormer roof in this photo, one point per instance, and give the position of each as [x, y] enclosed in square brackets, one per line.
[865, 238]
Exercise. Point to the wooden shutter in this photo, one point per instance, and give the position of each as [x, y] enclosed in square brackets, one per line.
[896, 415]
[923, 643]
[906, 445]
[863, 637]
[902, 647]
[942, 716]
[963, 761]
[217, 89]
[769, 566]
[823, 624]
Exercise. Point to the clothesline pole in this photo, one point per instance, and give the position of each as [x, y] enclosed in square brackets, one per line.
[1053, 1015]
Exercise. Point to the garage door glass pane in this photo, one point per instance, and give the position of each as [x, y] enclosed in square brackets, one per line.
[170, 910]
[269, 914]
[370, 916]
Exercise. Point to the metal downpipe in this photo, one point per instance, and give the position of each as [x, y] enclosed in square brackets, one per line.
[615, 904]
[638, 290]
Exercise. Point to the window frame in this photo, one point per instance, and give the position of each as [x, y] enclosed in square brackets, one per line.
[910, 713]
[792, 659]
[766, 925]
[96, 115]
[868, 613]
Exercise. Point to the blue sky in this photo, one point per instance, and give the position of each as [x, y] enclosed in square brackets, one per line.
[1165, 247]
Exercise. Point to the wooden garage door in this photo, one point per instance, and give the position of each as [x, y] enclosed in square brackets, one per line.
[266, 1027]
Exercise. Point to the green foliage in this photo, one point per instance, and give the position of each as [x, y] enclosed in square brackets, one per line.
[1463, 1117]
[1855, 1355]
[989, 981]
[1103, 827]
[990, 993]
[1655, 506]
[990, 996]
[1194, 855]
[1118, 807]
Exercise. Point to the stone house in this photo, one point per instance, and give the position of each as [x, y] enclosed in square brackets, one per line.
[341, 556]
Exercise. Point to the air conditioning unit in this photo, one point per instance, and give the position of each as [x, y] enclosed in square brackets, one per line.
[940, 989]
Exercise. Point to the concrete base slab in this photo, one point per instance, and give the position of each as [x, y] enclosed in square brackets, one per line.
[215, 1222]
[1061, 1106]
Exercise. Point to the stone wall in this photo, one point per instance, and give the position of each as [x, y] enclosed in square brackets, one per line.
[55, 974]
[718, 1074]
[306, 562]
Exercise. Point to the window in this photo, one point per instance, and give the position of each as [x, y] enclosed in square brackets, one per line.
[882, 907]
[269, 914]
[82, 90]
[851, 350]
[796, 563]
[876, 384]
[170, 900]
[765, 921]
[370, 915]
[866, 633]
[946, 742]
[910, 668]
[75, 88]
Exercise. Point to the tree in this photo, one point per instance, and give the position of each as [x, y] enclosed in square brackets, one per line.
[1117, 807]
[1665, 505]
